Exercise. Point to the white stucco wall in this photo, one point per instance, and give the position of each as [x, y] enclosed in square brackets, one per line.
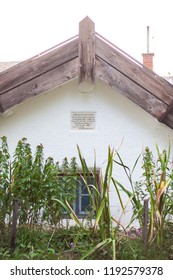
[46, 119]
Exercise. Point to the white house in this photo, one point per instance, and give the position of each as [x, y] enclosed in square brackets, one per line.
[86, 91]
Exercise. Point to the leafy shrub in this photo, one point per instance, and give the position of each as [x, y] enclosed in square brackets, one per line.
[34, 182]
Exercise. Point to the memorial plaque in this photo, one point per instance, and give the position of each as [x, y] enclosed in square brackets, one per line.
[83, 120]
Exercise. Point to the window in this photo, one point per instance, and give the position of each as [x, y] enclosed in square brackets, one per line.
[82, 203]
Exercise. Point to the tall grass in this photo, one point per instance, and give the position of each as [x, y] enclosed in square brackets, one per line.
[156, 184]
[133, 194]
[158, 179]
[99, 204]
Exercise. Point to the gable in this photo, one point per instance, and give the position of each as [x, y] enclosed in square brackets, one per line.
[49, 117]
[46, 119]
[87, 57]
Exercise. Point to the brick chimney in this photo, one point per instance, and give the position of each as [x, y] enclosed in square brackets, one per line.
[148, 56]
[148, 60]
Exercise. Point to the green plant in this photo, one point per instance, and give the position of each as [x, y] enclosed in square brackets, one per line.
[158, 176]
[21, 178]
[5, 183]
[58, 182]
[157, 184]
[133, 191]
[34, 182]
[99, 205]
[39, 184]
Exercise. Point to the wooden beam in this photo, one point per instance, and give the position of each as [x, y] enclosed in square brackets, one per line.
[131, 90]
[168, 119]
[163, 116]
[38, 65]
[138, 74]
[38, 85]
[86, 55]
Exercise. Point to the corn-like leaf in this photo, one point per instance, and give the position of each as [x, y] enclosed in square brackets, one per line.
[73, 215]
[99, 213]
[152, 212]
[118, 193]
[100, 245]
[113, 249]
[62, 203]
[159, 193]
[129, 193]
[118, 223]
[70, 211]
[135, 164]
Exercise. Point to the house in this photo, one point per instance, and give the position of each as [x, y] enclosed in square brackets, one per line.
[86, 91]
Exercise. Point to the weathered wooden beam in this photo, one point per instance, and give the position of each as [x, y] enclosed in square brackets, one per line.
[36, 66]
[168, 110]
[86, 47]
[168, 119]
[40, 84]
[131, 90]
[138, 74]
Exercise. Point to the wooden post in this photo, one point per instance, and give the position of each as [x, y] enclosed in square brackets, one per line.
[14, 225]
[86, 50]
[145, 226]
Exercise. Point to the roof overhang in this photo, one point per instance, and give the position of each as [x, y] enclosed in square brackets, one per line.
[88, 56]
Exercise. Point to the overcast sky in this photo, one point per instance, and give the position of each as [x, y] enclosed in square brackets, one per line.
[28, 27]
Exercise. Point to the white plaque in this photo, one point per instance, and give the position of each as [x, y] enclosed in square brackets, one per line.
[83, 120]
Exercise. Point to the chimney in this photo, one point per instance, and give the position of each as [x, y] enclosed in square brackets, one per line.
[148, 57]
[148, 60]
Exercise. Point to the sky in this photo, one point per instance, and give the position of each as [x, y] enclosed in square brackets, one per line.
[28, 27]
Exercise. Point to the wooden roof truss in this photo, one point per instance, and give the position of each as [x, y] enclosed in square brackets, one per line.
[88, 56]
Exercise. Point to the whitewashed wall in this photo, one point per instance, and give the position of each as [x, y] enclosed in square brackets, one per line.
[46, 119]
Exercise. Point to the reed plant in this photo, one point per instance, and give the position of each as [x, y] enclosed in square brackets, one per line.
[100, 202]
[156, 185]
[132, 190]
[99, 205]
[158, 179]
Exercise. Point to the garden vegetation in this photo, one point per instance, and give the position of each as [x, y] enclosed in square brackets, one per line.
[46, 192]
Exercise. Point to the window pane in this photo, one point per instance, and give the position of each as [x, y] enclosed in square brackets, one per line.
[82, 196]
[84, 189]
[85, 203]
